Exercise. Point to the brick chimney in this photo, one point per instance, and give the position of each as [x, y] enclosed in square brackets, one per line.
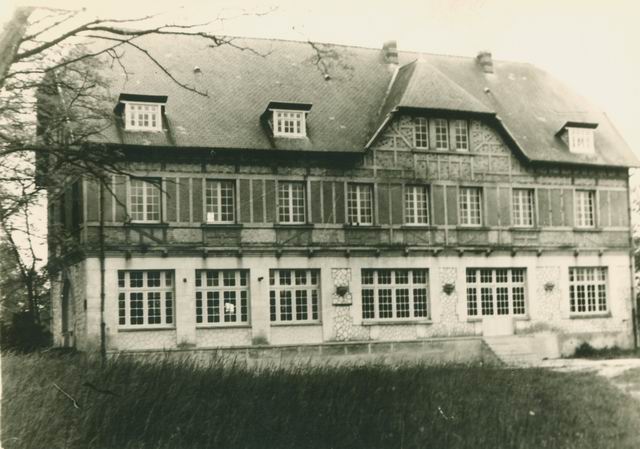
[390, 52]
[484, 61]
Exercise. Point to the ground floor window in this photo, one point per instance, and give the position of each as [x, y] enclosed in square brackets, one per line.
[496, 291]
[587, 290]
[145, 298]
[222, 297]
[394, 294]
[294, 295]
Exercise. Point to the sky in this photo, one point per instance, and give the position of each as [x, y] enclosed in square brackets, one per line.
[591, 45]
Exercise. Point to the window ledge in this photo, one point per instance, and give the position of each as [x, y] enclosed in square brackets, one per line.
[525, 228]
[222, 225]
[361, 226]
[146, 328]
[223, 326]
[144, 224]
[293, 225]
[515, 318]
[473, 228]
[422, 227]
[594, 229]
[576, 316]
[396, 322]
[296, 323]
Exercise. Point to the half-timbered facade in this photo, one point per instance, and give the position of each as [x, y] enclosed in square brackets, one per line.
[390, 197]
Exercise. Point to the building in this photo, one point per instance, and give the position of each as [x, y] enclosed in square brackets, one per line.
[373, 195]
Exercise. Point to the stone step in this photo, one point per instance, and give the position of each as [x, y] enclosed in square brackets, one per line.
[515, 350]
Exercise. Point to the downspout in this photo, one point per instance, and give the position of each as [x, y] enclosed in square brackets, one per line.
[103, 338]
[632, 267]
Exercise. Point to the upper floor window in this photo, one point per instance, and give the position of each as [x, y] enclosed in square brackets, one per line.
[460, 135]
[291, 204]
[219, 201]
[470, 206]
[587, 290]
[522, 206]
[144, 200]
[585, 208]
[581, 140]
[360, 204]
[143, 116]
[289, 123]
[416, 205]
[441, 134]
[420, 133]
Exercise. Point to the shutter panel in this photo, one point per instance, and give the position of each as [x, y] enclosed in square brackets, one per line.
[504, 202]
[68, 208]
[271, 200]
[109, 192]
[183, 198]
[172, 200]
[93, 199]
[544, 204]
[438, 205]
[339, 186]
[258, 196]
[568, 207]
[384, 208]
[605, 202]
[327, 201]
[396, 203]
[316, 202]
[619, 204]
[491, 195]
[245, 201]
[556, 207]
[452, 205]
[196, 200]
[121, 198]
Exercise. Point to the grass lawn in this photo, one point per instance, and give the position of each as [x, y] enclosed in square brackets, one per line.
[178, 405]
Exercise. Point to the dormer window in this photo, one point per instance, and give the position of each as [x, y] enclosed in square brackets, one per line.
[581, 140]
[286, 119]
[141, 112]
[289, 123]
[143, 117]
[579, 137]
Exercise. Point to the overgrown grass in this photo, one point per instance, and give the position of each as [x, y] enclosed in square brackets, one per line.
[173, 404]
[586, 351]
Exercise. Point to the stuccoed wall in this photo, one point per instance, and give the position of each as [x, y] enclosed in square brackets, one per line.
[548, 310]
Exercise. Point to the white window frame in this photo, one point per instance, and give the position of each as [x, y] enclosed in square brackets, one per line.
[149, 201]
[357, 204]
[591, 284]
[416, 205]
[218, 201]
[585, 208]
[304, 284]
[134, 116]
[145, 285]
[467, 205]
[441, 134]
[372, 288]
[460, 131]
[289, 123]
[522, 204]
[290, 211]
[222, 298]
[482, 281]
[581, 140]
[421, 133]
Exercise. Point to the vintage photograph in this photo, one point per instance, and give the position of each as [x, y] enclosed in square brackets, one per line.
[287, 224]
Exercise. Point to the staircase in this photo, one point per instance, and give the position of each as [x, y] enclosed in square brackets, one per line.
[520, 350]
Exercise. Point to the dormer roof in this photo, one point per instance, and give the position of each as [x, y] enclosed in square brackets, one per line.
[350, 105]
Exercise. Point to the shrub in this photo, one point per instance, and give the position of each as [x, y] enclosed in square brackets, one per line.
[22, 334]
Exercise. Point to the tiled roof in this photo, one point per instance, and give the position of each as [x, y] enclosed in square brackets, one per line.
[348, 107]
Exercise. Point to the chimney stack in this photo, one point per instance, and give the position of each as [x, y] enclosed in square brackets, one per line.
[390, 52]
[484, 61]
